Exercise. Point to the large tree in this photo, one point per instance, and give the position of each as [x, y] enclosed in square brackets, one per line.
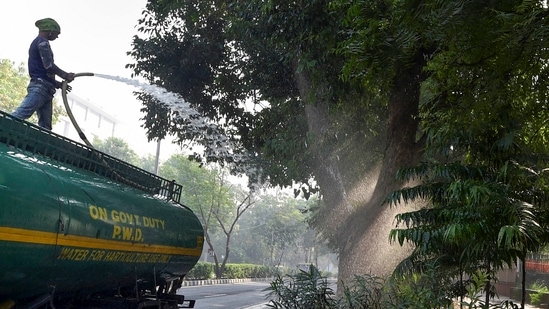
[221, 56]
[335, 86]
[487, 125]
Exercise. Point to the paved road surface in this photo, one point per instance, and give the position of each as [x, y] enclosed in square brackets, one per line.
[246, 295]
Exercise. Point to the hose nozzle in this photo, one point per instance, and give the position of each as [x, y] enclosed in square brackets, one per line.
[83, 74]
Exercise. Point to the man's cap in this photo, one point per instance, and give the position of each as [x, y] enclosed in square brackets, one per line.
[47, 24]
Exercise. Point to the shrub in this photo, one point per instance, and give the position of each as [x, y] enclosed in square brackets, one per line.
[203, 270]
[364, 292]
[539, 289]
[307, 289]
[416, 291]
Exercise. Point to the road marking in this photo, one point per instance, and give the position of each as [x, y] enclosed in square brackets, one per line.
[215, 295]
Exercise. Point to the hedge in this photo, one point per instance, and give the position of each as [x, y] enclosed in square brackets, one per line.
[204, 270]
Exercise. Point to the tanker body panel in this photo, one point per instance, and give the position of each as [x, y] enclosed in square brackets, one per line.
[77, 231]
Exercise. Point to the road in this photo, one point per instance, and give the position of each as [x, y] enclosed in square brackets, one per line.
[246, 295]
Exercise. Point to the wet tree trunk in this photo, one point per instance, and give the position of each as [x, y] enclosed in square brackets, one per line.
[364, 241]
[336, 206]
[364, 238]
[362, 232]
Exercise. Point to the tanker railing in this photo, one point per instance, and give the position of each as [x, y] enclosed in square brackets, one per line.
[32, 138]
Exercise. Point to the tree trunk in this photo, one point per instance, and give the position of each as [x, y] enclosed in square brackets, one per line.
[336, 206]
[362, 232]
[364, 238]
[487, 289]
[523, 280]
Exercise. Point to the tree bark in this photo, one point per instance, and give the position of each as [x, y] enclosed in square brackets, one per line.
[362, 232]
[364, 238]
[335, 202]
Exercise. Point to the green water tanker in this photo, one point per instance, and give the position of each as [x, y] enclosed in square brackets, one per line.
[79, 226]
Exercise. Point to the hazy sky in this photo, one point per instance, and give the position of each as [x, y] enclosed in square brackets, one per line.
[95, 37]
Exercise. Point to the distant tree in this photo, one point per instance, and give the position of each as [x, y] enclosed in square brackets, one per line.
[13, 84]
[219, 204]
[117, 148]
[148, 163]
[273, 232]
[13, 88]
[227, 218]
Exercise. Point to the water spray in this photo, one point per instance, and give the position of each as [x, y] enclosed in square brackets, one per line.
[215, 140]
[194, 121]
[117, 175]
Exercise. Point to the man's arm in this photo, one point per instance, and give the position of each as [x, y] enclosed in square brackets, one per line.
[69, 77]
[47, 60]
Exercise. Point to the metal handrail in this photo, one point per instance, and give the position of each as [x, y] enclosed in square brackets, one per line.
[32, 138]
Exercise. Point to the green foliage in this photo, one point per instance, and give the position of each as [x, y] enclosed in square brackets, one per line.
[307, 289]
[483, 115]
[364, 292]
[489, 82]
[268, 234]
[474, 293]
[118, 148]
[220, 60]
[271, 233]
[426, 289]
[247, 271]
[13, 88]
[203, 270]
[416, 291]
[539, 289]
[218, 203]
[148, 163]
[13, 85]
[474, 290]
[478, 218]
[203, 188]
[482, 110]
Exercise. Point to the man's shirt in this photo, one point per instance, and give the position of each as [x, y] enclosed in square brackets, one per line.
[41, 61]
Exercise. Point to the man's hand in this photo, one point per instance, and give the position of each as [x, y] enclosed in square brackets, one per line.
[59, 85]
[69, 78]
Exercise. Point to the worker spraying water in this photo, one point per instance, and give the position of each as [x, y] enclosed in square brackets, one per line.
[42, 71]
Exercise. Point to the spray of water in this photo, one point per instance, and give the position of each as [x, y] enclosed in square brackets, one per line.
[214, 140]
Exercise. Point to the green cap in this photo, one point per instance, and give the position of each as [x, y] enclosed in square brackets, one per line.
[47, 24]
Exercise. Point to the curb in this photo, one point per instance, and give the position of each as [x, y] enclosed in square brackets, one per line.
[222, 281]
[260, 306]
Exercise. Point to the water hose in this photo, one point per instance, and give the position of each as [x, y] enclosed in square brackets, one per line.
[69, 111]
[115, 173]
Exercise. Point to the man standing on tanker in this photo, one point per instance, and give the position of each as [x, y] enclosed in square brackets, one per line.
[42, 71]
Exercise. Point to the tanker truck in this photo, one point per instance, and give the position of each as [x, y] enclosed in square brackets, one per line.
[82, 229]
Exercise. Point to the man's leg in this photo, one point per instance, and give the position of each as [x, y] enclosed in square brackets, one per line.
[38, 95]
[44, 115]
